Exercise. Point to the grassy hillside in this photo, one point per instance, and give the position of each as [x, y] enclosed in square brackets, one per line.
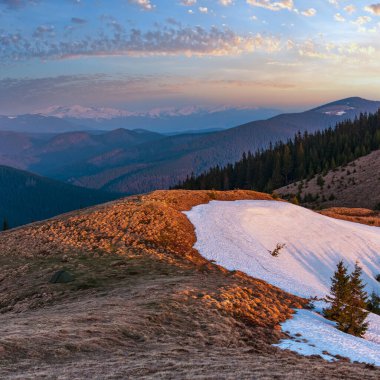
[144, 303]
[26, 197]
[356, 184]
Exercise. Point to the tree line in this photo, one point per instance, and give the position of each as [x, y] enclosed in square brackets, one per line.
[299, 158]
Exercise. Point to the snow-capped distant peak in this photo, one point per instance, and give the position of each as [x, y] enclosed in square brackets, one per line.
[173, 111]
[81, 112]
[191, 110]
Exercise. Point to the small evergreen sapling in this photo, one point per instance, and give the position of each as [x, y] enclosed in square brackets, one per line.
[348, 301]
[339, 293]
[355, 312]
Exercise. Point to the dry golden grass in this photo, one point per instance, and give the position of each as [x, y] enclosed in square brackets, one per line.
[144, 303]
[357, 215]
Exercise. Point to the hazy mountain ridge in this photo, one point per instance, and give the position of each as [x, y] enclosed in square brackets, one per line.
[307, 158]
[116, 161]
[26, 197]
[37, 124]
[60, 119]
[227, 146]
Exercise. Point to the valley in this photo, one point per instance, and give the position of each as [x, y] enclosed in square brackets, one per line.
[137, 161]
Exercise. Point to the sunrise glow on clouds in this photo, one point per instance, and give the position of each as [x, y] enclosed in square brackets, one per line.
[141, 54]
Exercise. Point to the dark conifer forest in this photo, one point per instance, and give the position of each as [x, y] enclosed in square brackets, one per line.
[26, 197]
[303, 157]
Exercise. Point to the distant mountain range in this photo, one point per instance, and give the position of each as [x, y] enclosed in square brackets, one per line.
[125, 161]
[37, 124]
[58, 119]
[26, 197]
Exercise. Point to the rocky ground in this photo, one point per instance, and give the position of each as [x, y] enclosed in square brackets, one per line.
[143, 303]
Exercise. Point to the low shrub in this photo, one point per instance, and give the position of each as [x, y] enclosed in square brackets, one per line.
[277, 250]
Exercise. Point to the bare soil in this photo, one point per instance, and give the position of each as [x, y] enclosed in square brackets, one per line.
[143, 303]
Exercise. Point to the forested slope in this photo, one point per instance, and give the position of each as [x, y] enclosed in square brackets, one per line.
[303, 157]
[26, 197]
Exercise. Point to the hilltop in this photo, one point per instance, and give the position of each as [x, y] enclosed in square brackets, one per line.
[140, 291]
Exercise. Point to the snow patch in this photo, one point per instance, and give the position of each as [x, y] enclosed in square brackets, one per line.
[373, 332]
[336, 110]
[335, 113]
[311, 334]
[239, 235]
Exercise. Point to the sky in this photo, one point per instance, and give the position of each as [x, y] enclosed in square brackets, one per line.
[139, 55]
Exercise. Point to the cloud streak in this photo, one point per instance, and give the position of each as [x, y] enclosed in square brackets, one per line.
[146, 5]
[78, 20]
[272, 5]
[188, 3]
[16, 4]
[100, 89]
[374, 9]
[86, 89]
[165, 40]
[309, 12]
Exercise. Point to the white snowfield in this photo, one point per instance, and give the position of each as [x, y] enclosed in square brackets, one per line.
[320, 337]
[239, 235]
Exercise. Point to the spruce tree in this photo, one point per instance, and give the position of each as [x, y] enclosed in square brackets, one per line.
[348, 301]
[339, 293]
[5, 224]
[374, 303]
[355, 313]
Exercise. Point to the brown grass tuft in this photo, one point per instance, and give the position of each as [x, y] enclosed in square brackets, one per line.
[357, 215]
